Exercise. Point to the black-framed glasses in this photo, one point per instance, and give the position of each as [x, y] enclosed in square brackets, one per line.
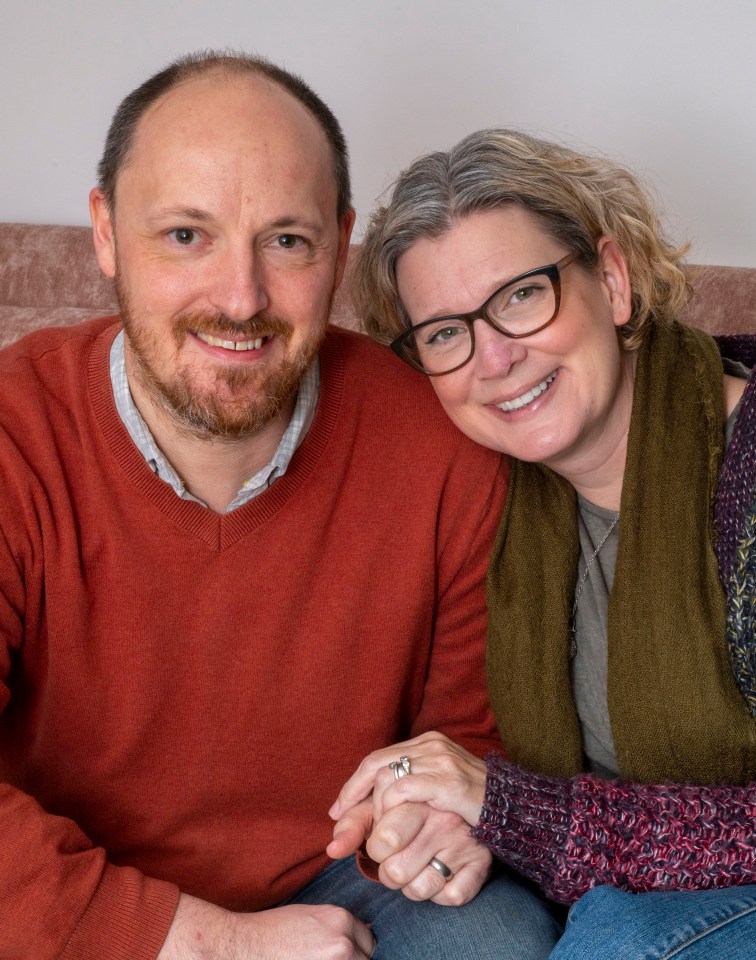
[519, 308]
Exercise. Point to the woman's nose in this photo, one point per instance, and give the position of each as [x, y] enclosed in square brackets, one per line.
[495, 354]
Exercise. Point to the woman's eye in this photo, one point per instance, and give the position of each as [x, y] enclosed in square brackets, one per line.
[441, 335]
[186, 236]
[521, 294]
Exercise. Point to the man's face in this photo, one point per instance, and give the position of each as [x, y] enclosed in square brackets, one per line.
[226, 250]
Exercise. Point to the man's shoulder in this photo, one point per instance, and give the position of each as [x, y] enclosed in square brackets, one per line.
[394, 404]
[354, 344]
[48, 369]
[49, 357]
[35, 345]
[374, 367]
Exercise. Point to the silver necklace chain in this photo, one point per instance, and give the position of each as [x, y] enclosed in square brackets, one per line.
[581, 584]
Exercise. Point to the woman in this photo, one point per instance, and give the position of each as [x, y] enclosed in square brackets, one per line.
[534, 287]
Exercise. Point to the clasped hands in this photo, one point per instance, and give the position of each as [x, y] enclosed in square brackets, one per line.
[404, 824]
[406, 821]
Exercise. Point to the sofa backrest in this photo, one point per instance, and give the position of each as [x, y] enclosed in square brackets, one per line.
[49, 275]
[724, 299]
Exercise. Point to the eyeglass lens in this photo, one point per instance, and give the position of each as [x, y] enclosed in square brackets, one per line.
[519, 308]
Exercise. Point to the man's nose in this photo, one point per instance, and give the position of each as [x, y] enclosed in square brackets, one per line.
[239, 287]
[495, 353]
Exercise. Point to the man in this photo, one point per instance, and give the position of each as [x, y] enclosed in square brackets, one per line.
[237, 553]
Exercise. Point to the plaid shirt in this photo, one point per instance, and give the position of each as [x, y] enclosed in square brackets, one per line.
[304, 411]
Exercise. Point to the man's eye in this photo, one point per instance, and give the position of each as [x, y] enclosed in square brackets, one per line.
[289, 241]
[186, 236]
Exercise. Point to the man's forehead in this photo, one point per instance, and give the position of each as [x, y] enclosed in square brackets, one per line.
[224, 128]
[216, 143]
[219, 104]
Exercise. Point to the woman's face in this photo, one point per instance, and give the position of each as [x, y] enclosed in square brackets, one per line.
[581, 415]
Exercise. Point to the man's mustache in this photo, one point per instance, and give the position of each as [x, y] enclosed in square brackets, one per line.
[218, 324]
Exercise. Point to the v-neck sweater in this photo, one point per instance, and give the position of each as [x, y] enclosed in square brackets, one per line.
[183, 693]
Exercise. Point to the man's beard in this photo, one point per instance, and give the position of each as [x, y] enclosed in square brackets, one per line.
[228, 412]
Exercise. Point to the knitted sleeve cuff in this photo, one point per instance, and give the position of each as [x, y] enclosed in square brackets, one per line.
[571, 834]
[525, 822]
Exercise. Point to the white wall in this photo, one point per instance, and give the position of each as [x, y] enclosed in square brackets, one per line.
[666, 86]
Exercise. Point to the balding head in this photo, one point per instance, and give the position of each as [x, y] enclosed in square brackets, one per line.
[126, 120]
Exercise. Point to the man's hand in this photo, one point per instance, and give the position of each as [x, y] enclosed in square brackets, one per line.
[408, 821]
[351, 830]
[403, 841]
[201, 931]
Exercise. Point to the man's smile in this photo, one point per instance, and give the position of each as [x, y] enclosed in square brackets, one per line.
[236, 345]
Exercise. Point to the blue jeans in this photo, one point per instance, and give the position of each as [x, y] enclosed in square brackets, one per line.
[608, 924]
[506, 921]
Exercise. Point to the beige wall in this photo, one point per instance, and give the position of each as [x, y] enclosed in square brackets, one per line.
[668, 87]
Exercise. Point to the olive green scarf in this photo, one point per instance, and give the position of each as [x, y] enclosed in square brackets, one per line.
[675, 710]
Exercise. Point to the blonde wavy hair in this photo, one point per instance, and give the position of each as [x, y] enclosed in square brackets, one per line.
[577, 198]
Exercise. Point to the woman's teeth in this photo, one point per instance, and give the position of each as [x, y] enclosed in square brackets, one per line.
[231, 344]
[526, 398]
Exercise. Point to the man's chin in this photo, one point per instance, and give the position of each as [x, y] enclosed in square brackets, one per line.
[234, 403]
[211, 418]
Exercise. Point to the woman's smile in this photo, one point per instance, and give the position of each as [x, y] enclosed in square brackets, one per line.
[528, 396]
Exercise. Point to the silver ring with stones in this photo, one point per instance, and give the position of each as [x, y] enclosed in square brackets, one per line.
[401, 767]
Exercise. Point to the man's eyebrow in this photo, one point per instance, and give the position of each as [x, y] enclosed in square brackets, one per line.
[298, 223]
[183, 213]
[196, 215]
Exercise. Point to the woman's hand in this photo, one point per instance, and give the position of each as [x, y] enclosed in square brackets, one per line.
[442, 774]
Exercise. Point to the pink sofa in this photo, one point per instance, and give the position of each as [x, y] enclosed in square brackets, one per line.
[49, 275]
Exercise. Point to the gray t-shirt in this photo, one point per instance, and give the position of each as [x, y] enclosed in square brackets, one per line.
[589, 666]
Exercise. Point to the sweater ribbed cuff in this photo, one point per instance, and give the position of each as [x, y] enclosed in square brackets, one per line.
[127, 919]
[525, 819]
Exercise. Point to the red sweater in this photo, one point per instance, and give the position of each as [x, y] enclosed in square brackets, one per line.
[184, 693]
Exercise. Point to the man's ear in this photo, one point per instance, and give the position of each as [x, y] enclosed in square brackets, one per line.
[345, 232]
[615, 277]
[102, 231]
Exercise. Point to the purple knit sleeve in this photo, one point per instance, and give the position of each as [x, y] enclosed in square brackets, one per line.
[569, 835]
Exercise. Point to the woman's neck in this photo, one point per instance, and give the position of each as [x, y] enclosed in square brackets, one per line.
[597, 469]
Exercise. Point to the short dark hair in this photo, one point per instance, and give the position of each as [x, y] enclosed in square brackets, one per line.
[120, 138]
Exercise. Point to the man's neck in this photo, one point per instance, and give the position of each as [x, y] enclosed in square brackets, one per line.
[214, 469]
